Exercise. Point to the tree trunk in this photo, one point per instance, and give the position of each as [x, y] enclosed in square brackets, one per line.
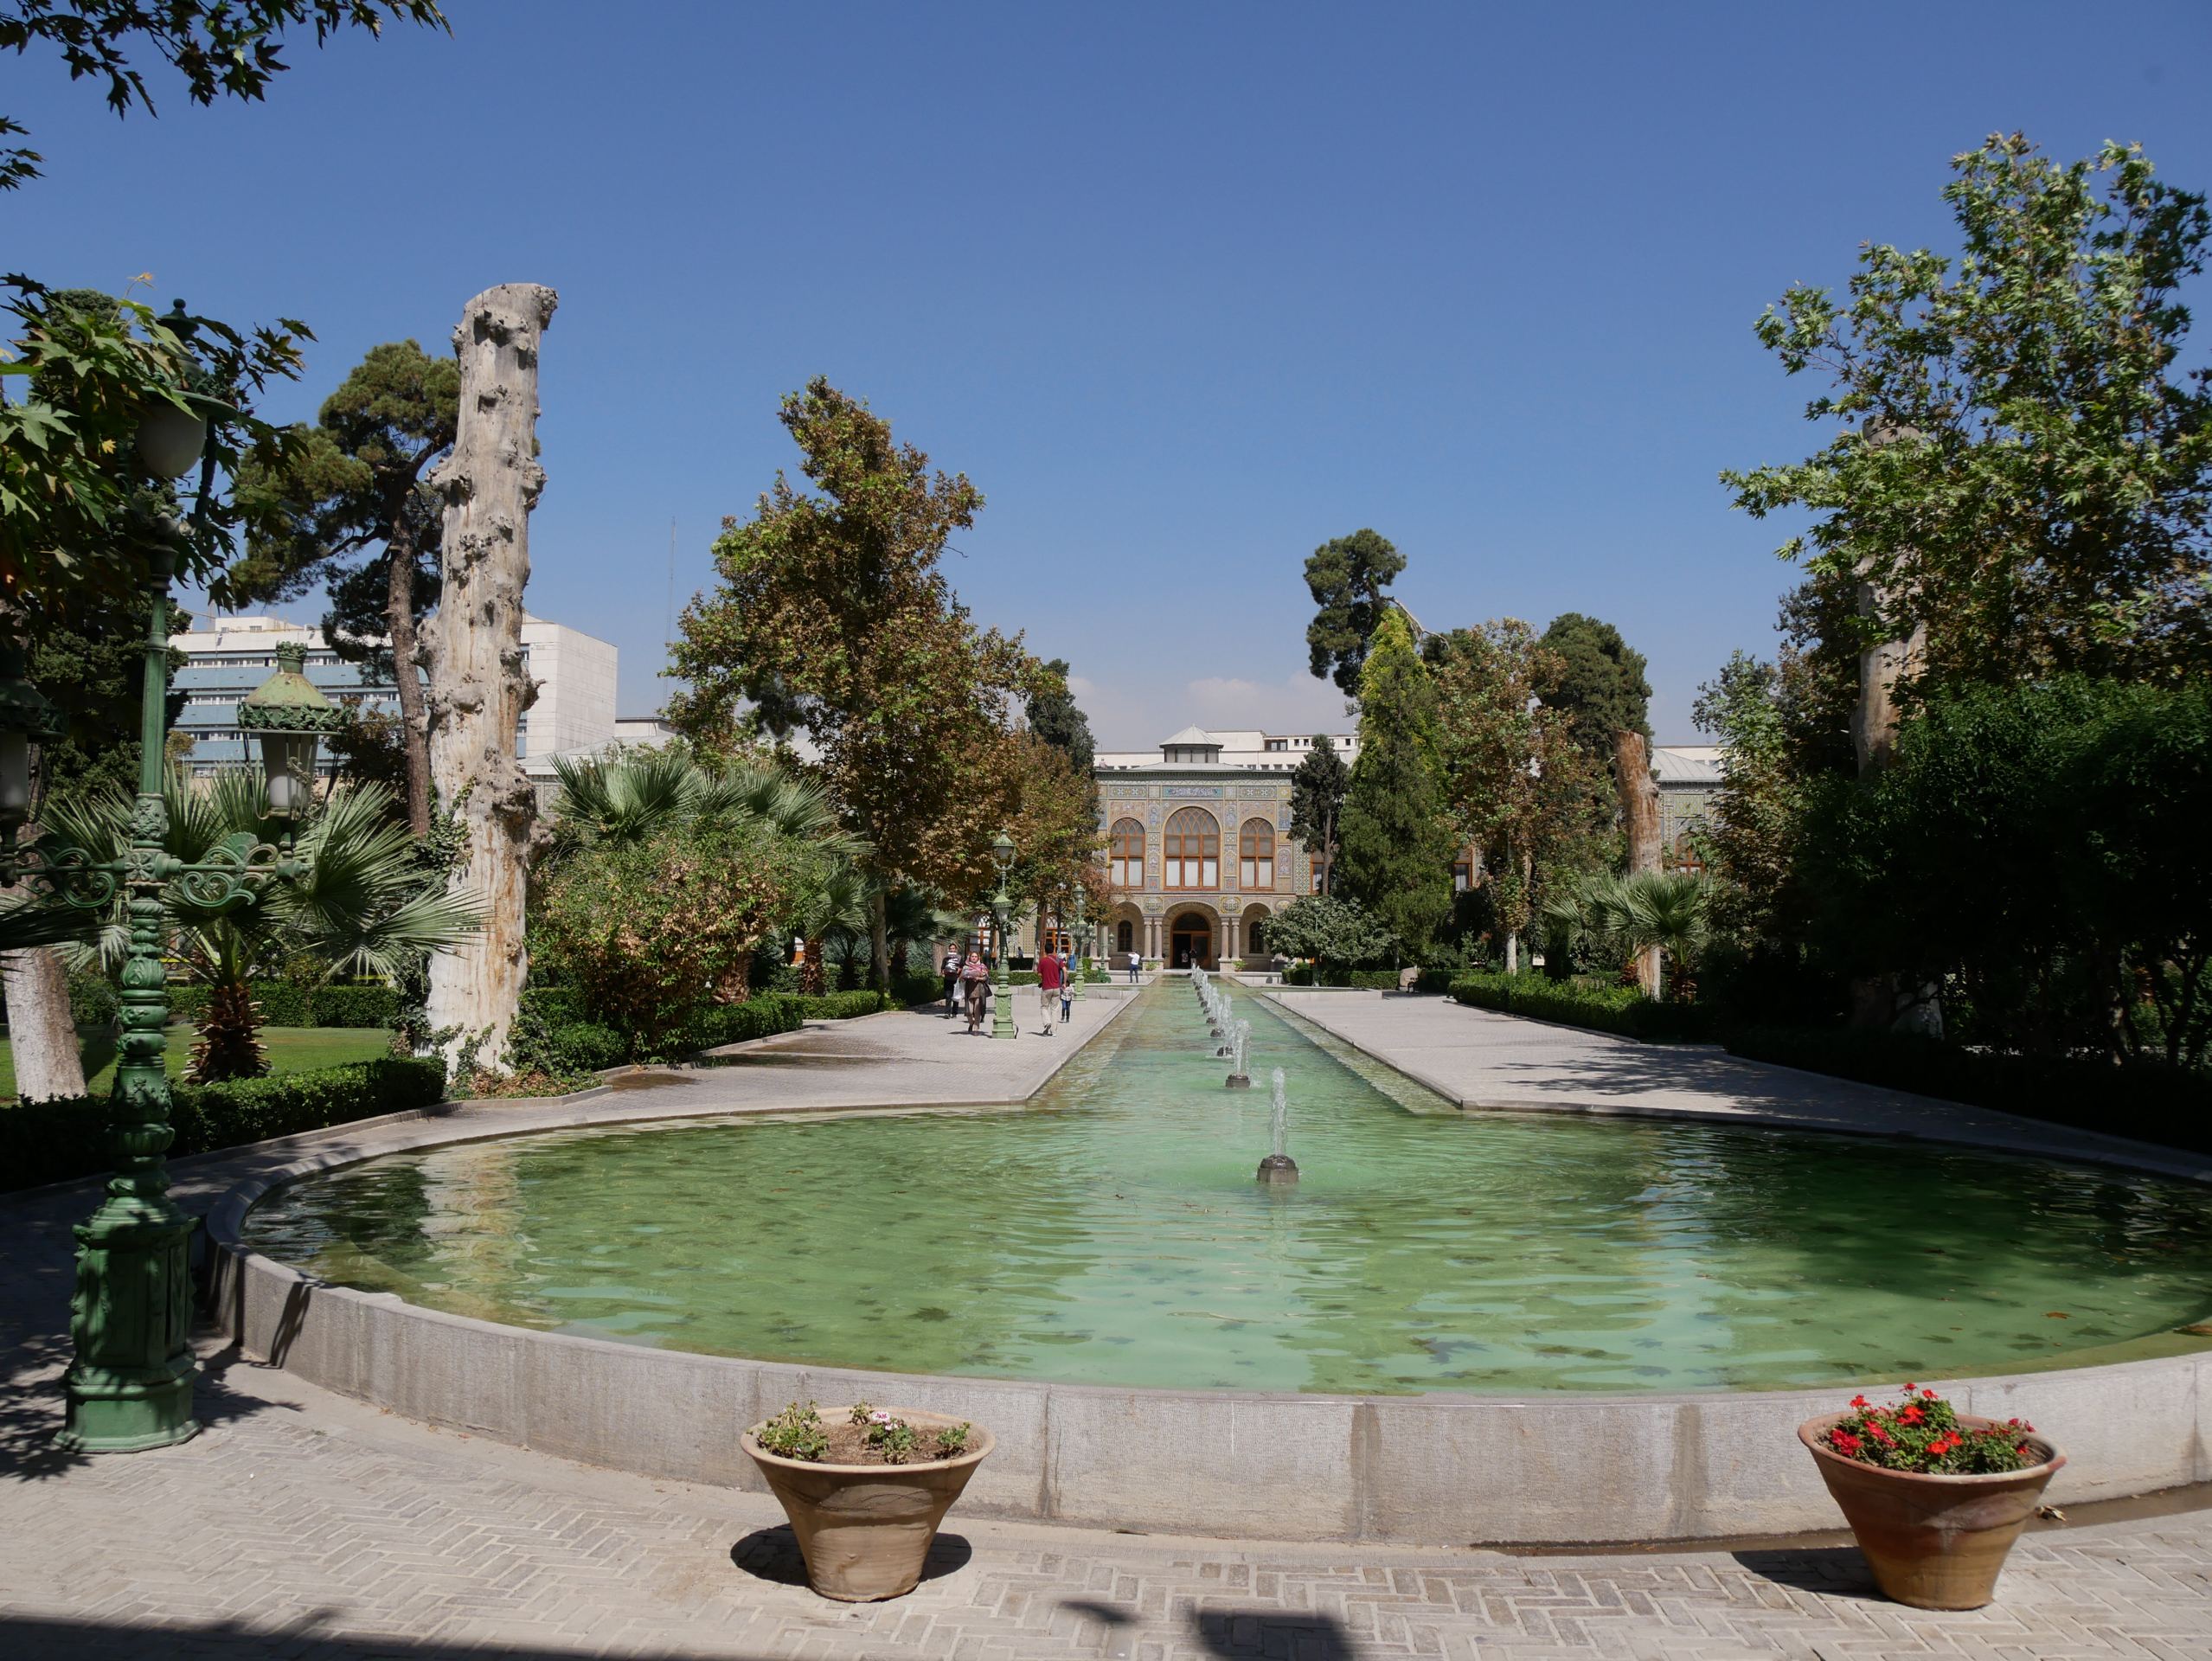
[479, 688]
[1639, 818]
[398, 620]
[40, 1032]
[879, 956]
[1879, 1003]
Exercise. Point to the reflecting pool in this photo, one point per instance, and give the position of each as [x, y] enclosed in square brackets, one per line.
[1110, 1233]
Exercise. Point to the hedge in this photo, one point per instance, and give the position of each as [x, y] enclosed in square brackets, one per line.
[1304, 974]
[53, 1141]
[354, 1006]
[2146, 1100]
[1621, 1010]
[284, 1004]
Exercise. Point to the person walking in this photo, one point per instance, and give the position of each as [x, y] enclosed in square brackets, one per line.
[1070, 967]
[1049, 977]
[975, 981]
[952, 982]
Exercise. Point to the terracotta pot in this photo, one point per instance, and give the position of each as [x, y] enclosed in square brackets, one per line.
[865, 1529]
[1932, 1542]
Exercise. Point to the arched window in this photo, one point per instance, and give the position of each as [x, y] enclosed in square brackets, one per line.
[1193, 849]
[1125, 936]
[1126, 852]
[1256, 853]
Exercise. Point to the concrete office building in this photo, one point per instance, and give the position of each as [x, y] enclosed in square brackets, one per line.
[228, 656]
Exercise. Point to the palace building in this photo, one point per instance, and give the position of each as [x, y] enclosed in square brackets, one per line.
[1198, 845]
[1199, 852]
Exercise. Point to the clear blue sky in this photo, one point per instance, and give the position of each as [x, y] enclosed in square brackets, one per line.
[1186, 290]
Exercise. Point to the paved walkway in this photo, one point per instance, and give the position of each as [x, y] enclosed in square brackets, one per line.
[302, 1524]
[1480, 1059]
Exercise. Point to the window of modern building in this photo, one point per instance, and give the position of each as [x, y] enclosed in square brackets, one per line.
[1256, 854]
[1278, 743]
[1127, 854]
[1193, 849]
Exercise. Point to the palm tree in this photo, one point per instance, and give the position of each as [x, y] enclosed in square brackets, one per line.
[1666, 912]
[632, 795]
[832, 917]
[361, 903]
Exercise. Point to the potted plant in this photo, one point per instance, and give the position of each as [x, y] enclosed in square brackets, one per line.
[866, 1492]
[1935, 1498]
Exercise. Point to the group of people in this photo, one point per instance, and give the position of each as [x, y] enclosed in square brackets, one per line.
[968, 987]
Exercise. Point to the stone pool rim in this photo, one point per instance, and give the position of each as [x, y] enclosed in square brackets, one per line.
[1435, 1469]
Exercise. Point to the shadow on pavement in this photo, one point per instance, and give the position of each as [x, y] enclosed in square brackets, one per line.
[773, 1555]
[1833, 1571]
[1278, 1634]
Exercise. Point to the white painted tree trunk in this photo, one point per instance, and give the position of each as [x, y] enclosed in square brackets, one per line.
[41, 1036]
[473, 648]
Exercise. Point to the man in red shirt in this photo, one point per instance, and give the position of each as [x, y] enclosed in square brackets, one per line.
[1048, 977]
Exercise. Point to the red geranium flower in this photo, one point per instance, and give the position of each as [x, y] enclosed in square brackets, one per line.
[1861, 1401]
[1911, 1416]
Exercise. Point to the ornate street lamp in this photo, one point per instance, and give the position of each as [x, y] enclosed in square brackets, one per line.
[290, 716]
[1081, 968]
[1001, 1017]
[130, 1385]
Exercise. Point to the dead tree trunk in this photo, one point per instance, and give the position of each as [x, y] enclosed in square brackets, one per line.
[1888, 1002]
[40, 1032]
[479, 687]
[1639, 818]
[406, 676]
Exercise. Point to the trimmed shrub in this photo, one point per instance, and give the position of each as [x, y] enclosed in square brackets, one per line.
[1304, 974]
[1623, 1010]
[353, 1006]
[757, 1017]
[54, 1141]
[2146, 1100]
[92, 1001]
[283, 1005]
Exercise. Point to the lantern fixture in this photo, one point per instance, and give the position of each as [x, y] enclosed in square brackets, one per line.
[171, 441]
[289, 714]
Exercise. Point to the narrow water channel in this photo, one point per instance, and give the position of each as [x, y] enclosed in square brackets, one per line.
[1110, 1233]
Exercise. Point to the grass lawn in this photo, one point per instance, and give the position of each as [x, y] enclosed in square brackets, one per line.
[291, 1049]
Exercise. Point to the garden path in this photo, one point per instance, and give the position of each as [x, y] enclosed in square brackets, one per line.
[1481, 1059]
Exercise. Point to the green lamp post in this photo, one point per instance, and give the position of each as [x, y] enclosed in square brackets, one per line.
[1002, 1004]
[1081, 966]
[130, 1384]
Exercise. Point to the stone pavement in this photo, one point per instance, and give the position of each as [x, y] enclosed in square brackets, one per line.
[300, 1524]
[303, 1524]
[1481, 1059]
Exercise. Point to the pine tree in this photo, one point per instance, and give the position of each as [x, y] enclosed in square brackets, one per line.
[1396, 854]
[1317, 805]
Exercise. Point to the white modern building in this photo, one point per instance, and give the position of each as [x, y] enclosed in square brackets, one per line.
[228, 656]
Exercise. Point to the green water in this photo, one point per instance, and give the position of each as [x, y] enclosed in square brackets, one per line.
[1110, 1233]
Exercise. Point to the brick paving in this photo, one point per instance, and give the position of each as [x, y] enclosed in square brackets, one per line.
[302, 1524]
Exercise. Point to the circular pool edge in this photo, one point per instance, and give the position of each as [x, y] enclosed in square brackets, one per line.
[1434, 1470]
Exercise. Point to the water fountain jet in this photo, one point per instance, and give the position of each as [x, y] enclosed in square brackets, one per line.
[1279, 1170]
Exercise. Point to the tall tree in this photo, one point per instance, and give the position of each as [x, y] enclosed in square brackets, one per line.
[355, 480]
[1317, 790]
[832, 619]
[1397, 845]
[1053, 717]
[479, 687]
[1597, 682]
[1348, 577]
[2020, 468]
[1519, 786]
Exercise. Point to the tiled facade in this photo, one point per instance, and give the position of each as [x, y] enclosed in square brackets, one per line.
[1198, 843]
